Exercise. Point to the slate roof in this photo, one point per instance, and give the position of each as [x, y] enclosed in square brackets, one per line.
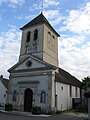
[65, 77]
[39, 20]
[5, 82]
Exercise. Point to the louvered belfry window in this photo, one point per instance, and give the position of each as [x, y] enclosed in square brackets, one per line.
[35, 34]
[28, 36]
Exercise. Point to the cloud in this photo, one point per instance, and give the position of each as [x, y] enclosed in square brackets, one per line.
[9, 50]
[43, 5]
[73, 55]
[74, 43]
[47, 3]
[69, 42]
[53, 16]
[13, 3]
[78, 21]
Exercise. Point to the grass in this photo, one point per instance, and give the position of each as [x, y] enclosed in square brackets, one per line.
[75, 113]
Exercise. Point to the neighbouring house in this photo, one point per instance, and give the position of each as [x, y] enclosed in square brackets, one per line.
[37, 80]
[3, 90]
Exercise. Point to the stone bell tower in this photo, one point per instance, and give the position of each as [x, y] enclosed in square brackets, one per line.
[39, 39]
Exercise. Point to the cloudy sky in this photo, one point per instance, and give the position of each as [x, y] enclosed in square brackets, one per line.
[70, 18]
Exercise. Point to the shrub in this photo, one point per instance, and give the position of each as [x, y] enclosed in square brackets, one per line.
[36, 110]
[8, 107]
[83, 107]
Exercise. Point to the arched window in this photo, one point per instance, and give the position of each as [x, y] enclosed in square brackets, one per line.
[70, 91]
[28, 36]
[43, 97]
[35, 34]
[14, 95]
[76, 92]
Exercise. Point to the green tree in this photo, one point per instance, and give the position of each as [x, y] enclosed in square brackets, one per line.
[86, 82]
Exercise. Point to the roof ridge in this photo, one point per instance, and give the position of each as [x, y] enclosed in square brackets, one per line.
[37, 20]
[69, 79]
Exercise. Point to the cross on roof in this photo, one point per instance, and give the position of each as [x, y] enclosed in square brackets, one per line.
[41, 6]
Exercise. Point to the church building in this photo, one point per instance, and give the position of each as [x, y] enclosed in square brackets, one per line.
[37, 80]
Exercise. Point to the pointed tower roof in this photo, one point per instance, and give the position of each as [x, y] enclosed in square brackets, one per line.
[37, 20]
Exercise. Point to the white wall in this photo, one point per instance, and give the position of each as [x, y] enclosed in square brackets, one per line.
[64, 101]
[62, 96]
[30, 79]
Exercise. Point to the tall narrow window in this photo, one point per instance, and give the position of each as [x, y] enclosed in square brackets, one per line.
[14, 95]
[43, 97]
[70, 91]
[56, 101]
[76, 92]
[53, 41]
[35, 34]
[28, 36]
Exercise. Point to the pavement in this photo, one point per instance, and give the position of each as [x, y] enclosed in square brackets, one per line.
[22, 113]
[61, 116]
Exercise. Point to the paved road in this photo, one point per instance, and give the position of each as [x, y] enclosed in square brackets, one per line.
[5, 116]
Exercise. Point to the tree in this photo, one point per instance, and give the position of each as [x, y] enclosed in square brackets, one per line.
[86, 82]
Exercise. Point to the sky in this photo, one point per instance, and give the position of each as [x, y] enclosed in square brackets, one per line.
[70, 18]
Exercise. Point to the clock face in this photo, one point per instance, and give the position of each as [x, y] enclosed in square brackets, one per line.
[29, 63]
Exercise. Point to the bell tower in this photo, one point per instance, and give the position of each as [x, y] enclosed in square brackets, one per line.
[40, 40]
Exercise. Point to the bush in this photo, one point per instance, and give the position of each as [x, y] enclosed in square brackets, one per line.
[83, 107]
[8, 107]
[58, 112]
[36, 110]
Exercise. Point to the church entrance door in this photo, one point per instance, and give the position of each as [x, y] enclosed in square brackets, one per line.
[28, 96]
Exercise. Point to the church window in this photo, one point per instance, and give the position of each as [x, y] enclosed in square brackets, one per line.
[76, 92]
[49, 33]
[56, 101]
[4, 95]
[49, 39]
[53, 37]
[43, 97]
[14, 95]
[62, 88]
[53, 42]
[28, 36]
[35, 34]
[29, 63]
[70, 91]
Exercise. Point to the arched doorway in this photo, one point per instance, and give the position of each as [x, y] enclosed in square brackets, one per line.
[28, 96]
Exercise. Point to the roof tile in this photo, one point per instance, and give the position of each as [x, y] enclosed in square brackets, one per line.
[38, 20]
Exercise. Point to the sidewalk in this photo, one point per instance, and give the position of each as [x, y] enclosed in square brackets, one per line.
[22, 113]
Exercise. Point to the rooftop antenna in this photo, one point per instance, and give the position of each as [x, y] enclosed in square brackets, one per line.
[41, 6]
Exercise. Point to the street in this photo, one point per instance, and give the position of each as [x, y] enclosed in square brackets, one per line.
[5, 116]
